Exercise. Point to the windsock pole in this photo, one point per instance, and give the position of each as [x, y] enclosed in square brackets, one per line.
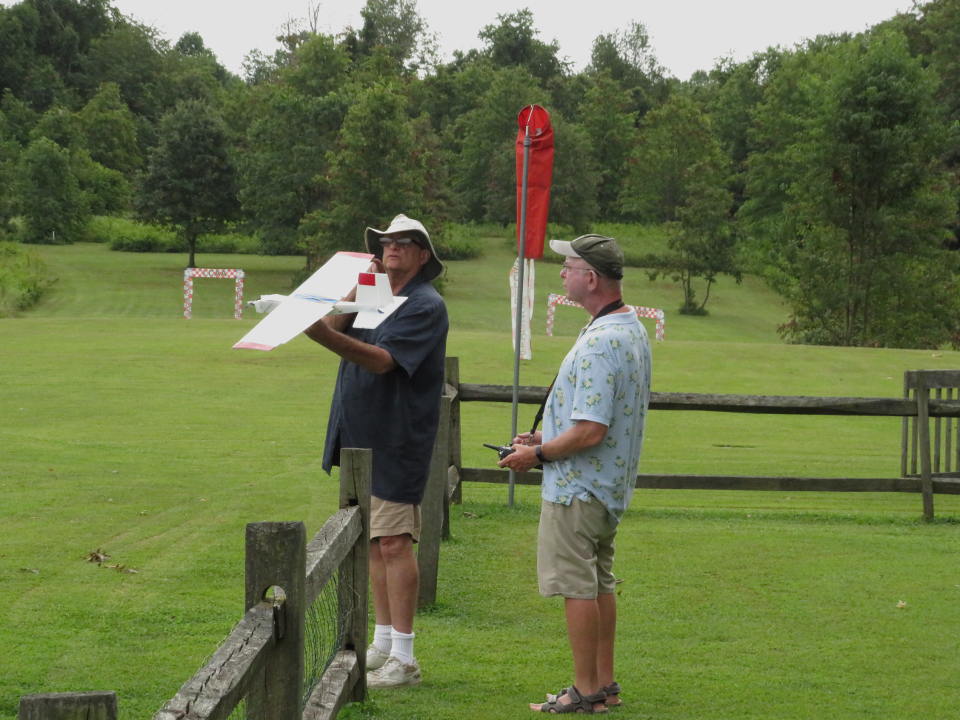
[518, 325]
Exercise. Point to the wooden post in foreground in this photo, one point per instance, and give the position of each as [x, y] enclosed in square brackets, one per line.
[431, 509]
[923, 420]
[276, 556]
[69, 706]
[456, 451]
[356, 477]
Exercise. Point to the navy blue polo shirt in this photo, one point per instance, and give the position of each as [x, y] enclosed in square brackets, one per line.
[395, 414]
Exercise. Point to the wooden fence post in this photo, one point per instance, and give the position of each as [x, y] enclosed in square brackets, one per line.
[452, 488]
[923, 420]
[276, 555]
[356, 472]
[428, 555]
[68, 706]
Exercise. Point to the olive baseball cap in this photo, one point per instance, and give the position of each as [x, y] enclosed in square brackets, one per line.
[600, 251]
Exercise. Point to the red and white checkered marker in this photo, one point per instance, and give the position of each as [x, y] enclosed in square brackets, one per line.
[553, 299]
[218, 274]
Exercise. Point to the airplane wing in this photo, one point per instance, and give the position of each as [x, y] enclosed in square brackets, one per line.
[313, 299]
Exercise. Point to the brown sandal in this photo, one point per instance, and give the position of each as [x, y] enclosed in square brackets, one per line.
[578, 703]
[613, 693]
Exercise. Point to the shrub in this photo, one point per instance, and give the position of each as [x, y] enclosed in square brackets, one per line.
[132, 236]
[460, 242]
[23, 278]
[229, 242]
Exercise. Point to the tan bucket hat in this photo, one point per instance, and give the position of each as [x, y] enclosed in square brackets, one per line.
[401, 223]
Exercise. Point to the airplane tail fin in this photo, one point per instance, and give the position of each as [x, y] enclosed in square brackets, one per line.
[373, 289]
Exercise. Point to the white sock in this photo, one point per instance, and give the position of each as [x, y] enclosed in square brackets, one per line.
[402, 648]
[382, 638]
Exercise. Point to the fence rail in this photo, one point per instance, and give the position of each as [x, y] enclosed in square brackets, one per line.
[926, 483]
[770, 404]
[262, 661]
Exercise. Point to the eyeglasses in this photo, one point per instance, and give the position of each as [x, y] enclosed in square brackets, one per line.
[568, 268]
[398, 240]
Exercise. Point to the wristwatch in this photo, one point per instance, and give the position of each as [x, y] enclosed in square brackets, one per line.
[539, 451]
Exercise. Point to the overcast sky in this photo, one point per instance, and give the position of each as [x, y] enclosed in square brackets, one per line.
[686, 35]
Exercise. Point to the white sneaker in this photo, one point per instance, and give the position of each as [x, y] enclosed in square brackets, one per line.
[394, 673]
[375, 657]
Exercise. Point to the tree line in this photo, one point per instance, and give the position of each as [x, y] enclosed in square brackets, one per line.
[829, 168]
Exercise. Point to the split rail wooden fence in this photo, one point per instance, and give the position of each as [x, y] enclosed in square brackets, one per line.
[928, 395]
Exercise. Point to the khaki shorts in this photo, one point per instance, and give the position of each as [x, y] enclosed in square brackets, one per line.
[391, 518]
[575, 550]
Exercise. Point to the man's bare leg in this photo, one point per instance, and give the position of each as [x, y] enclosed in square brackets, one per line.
[378, 585]
[607, 604]
[401, 581]
[583, 628]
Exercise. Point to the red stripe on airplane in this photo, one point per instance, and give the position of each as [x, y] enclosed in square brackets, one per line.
[367, 279]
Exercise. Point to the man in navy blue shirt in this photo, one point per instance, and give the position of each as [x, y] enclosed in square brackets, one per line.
[387, 398]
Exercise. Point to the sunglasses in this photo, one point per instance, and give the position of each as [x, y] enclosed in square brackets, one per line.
[399, 241]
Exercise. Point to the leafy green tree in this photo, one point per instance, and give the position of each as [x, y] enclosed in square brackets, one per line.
[190, 182]
[106, 191]
[49, 195]
[65, 29]
[940, 28]
[627, 57]
[573, 192]
[9, 158]
[42, 44]
[701, 241]
[675, 141]
[610, 125]
[19, 119]
[677, 174]
[132, 56]
[61, 126]
[735, 90]
[396, 29]
[935, 27]
[849, 202]
[452, 90]
[295, 122]
[194, 72]
[482, 144]
[375, 171]
[284, 163]
[513, 42]
[110, 130]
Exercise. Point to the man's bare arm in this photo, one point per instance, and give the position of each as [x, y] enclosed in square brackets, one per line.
[582, 435]
[370, 357]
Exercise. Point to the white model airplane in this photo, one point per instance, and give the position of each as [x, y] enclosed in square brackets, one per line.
[319, 295]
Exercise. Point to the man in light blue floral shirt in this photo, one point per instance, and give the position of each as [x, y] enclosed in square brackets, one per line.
[589, 449]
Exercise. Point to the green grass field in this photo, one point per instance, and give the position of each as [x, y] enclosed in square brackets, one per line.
[126, 429]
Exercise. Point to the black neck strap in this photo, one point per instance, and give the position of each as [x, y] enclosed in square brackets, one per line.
[605, 310]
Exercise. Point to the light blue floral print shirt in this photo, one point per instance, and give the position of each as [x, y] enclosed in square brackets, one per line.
[604, 378]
